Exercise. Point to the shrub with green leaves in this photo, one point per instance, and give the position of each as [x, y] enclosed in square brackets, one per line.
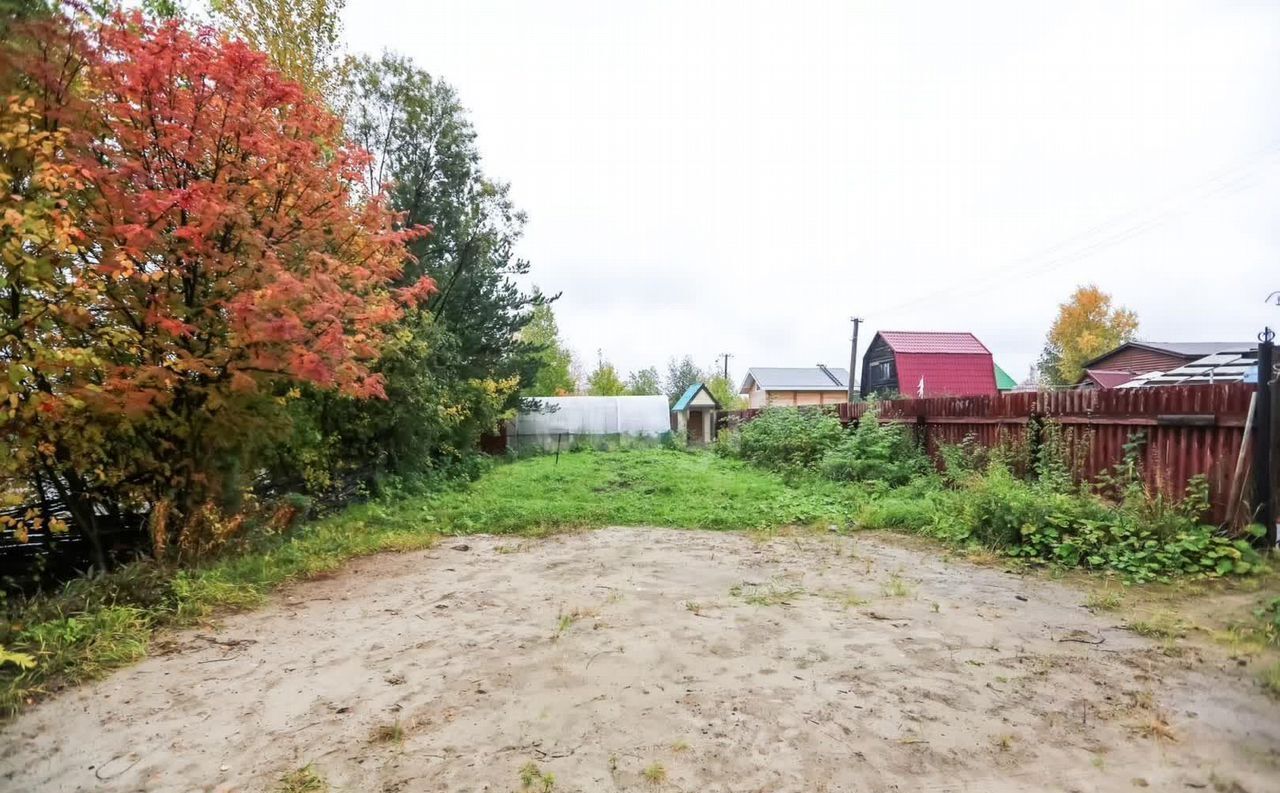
[875, 452]
[782, 438]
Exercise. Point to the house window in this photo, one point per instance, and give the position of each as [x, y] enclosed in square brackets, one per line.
[881, 370]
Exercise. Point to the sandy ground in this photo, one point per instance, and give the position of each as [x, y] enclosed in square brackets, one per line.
[817, 663]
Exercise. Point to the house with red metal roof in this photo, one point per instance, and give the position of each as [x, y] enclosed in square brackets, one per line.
[927, 363]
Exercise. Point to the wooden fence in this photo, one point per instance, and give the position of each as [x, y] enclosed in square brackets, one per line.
[1188, 430]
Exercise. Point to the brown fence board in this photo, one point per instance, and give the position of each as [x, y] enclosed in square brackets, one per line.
[1190, 430]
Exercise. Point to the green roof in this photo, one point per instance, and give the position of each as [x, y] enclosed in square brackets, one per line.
[689, 394]
[1003, 381]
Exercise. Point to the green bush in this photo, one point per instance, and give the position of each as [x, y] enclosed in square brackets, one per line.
[782, 438]
[875, 452]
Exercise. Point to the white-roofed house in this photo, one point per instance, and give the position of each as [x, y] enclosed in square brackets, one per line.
[807, 385]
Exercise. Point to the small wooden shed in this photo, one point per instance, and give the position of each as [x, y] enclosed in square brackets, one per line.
[694, 414]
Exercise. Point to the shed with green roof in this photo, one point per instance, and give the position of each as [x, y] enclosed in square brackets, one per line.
[694, 414]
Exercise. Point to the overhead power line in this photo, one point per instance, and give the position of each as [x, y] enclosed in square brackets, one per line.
[1105, 234]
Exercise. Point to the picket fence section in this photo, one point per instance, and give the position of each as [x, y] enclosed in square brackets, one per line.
[1187, 430]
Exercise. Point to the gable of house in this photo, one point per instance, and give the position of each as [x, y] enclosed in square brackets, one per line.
[695, 396]
[947, 364]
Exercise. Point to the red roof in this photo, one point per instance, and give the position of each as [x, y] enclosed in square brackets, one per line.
[1108, 378]
[946, 373]
[914, 341]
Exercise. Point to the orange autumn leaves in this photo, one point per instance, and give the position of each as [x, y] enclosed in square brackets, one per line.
[231, 238]
[182, 238]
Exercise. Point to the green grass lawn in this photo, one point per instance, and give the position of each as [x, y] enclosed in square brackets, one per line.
[655, 487]
[93, 626]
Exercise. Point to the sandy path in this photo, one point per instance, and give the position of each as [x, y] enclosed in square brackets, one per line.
[949, 677]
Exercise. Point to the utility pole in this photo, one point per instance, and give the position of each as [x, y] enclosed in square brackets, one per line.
[726, 356]
[1264, 497]
[853, 355]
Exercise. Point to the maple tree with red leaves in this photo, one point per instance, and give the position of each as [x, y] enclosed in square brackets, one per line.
[212, 250]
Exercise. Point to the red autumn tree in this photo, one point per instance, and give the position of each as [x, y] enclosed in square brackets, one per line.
[223, 253]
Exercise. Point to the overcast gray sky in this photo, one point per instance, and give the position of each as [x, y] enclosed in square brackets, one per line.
[741, 176]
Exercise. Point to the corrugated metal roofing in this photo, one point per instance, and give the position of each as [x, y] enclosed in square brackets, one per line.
[805, 378]
[915, 341]
[946, 373]
[1108, 378]
[1226, 366]
[1196, 348]
[1141, 379]
[689, 394]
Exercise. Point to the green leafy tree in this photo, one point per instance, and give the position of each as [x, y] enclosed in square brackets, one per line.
[1087, 326]
[724, 391]
[163, 9]
[17, 11]
[424, 147]
[604, 380]
[461, 358]
[554, 376]
[644, 382]
[577, 373]
[681, 373]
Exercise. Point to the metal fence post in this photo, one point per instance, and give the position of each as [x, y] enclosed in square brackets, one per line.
[1263, 447]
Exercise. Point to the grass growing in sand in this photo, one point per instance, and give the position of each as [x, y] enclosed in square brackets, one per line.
[1104, 600]
[655, 774]
[896, 587]
[533, 778]
[388, 733]
[304, 780]
[1270, 680]
[1159, 626]
[772, 594]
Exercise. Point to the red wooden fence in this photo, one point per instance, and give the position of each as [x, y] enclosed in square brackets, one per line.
[1189, 430]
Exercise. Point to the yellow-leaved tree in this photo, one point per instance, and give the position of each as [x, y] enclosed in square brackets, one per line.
[1087, 326]
[302, 37]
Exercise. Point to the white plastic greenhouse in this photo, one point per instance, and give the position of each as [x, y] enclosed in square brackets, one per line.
[562, 421]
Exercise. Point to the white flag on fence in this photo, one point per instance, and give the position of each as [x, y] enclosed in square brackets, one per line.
[920, 388]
